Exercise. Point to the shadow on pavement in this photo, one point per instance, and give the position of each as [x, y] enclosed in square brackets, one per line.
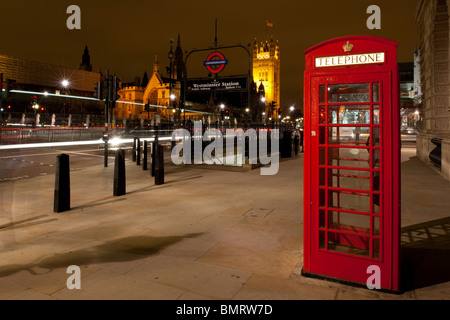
[425, 254]
[119, 250]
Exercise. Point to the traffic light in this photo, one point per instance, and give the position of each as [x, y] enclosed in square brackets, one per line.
[7, 87]
[107, 88]
[99, 90]
[147, 107]
[115, 82]
[116, 88]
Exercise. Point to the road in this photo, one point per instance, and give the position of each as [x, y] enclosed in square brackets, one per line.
[21, 164]
[27, 163]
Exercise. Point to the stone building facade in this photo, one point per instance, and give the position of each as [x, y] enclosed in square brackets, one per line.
[267, 69]
[433, 17]
[29, 76]
[133, 94]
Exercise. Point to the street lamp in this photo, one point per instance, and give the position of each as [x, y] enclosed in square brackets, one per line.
[65, 83]
[172, 100]
[263, 101]
[292, 111]
[35, 107]
[170, 55]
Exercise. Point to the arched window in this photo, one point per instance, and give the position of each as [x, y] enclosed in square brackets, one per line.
[154, 97]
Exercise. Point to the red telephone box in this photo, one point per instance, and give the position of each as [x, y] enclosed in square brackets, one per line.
[352, 161]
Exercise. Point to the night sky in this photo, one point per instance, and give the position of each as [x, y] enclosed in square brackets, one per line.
[125, 36]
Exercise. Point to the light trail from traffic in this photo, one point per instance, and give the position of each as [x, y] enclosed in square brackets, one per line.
[113, 142]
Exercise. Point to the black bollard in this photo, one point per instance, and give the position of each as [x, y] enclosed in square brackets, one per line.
[144, 156]
[138, 151]
[301, 141]
[62, 184]
[106, 151]
[269, 142]
[154, 150]
[288, 144]
[258, 136]
[105, 155]
[133, 153]
[247, 147]
[159, 166]
[152, 159]
[119, 174]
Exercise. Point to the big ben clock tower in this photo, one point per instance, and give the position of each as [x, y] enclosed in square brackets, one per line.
[266, 69]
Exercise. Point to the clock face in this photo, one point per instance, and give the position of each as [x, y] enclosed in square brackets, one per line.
[264, 56]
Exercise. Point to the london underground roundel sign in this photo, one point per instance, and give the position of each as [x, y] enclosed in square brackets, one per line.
[215, 62]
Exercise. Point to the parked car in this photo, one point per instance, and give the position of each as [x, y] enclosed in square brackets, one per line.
[409, 130]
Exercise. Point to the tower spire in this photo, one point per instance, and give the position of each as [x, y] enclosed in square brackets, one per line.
[86, 60]
[156, 65]
[179, 67]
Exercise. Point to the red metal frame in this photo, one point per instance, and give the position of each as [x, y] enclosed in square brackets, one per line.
[380, 245]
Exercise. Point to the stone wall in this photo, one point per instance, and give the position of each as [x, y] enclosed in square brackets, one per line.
[433, 17]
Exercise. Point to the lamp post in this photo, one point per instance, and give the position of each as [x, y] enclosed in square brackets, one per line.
[172, 102]
[292, 109]
[222, 115]
[263, 101]
[65, 83]
[35, 108]
[170, 55]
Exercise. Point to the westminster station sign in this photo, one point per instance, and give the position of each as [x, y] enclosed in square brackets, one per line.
[223, 84]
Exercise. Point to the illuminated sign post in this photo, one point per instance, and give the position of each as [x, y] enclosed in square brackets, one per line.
[216, 62]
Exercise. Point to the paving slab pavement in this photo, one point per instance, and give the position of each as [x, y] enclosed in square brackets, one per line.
[204, 235]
